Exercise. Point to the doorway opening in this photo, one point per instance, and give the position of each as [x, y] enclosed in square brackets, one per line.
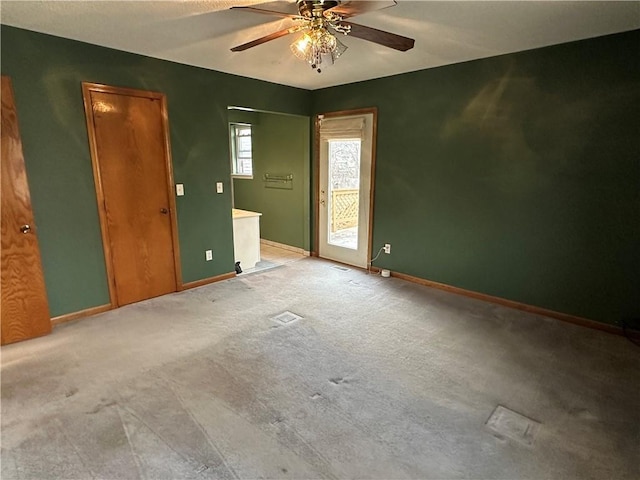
[271, 182]
[346, 157]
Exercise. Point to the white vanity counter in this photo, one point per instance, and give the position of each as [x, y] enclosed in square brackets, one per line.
[246, 237]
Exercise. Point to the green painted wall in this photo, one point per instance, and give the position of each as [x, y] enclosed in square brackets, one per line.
[516, 176]
[280, 146]
[47, 72]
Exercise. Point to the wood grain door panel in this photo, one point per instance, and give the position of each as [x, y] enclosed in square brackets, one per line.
[25, 309]
[131, 154]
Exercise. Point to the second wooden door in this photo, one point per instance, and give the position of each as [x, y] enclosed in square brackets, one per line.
[25, 310]
[132, 167]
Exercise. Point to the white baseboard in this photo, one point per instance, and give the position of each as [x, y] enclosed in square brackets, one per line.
[286, 247]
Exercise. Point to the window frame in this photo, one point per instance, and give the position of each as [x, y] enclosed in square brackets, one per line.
[234, 148]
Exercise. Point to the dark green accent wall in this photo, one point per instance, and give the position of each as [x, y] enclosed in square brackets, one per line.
[280, 145]
[516, 176]
[47, 73]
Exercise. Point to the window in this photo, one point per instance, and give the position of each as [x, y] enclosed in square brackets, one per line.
[241, 161]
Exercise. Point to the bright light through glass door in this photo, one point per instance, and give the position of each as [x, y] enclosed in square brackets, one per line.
[343, 193]
[345, 157]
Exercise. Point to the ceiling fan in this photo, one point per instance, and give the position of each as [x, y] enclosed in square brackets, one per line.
[320, 20]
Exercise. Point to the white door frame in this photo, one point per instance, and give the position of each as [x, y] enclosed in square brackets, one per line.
[365, 227]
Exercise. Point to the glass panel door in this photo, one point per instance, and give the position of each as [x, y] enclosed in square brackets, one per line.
[343, 196]
[346, 159]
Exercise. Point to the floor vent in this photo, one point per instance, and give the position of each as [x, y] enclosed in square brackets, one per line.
[285, 318]
[507, 423]
[342, 269]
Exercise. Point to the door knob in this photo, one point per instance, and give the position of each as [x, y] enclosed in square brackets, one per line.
[25, 229]
[164, 211]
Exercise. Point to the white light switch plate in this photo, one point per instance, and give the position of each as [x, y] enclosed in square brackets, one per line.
[208, 255]
[219, 187]
[179, 189]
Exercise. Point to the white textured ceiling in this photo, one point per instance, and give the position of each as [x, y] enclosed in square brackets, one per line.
[201, 32]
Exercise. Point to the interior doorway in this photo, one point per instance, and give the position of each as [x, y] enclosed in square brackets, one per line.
[128, 133]
[346, 153]
[276, 182]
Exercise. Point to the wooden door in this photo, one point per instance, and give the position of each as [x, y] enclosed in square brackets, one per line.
[25, 310]
[132, 166]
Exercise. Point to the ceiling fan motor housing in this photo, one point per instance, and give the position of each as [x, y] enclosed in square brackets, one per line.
[315, 8]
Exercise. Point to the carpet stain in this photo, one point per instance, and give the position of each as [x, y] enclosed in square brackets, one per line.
[338, 380]
[104, 404]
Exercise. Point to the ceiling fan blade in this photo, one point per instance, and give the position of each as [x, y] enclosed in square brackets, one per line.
[388, 39]
[351, 9]
[267, 12]
[267, 38]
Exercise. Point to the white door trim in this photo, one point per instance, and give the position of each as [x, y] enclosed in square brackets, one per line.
[343, 255]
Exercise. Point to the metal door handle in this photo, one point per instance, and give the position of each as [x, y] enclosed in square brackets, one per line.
[164, 211]
[25, 229]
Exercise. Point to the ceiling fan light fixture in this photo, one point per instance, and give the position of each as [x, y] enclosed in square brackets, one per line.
[339, 49]
[318, 44]
[321, 21]
[302, 46]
